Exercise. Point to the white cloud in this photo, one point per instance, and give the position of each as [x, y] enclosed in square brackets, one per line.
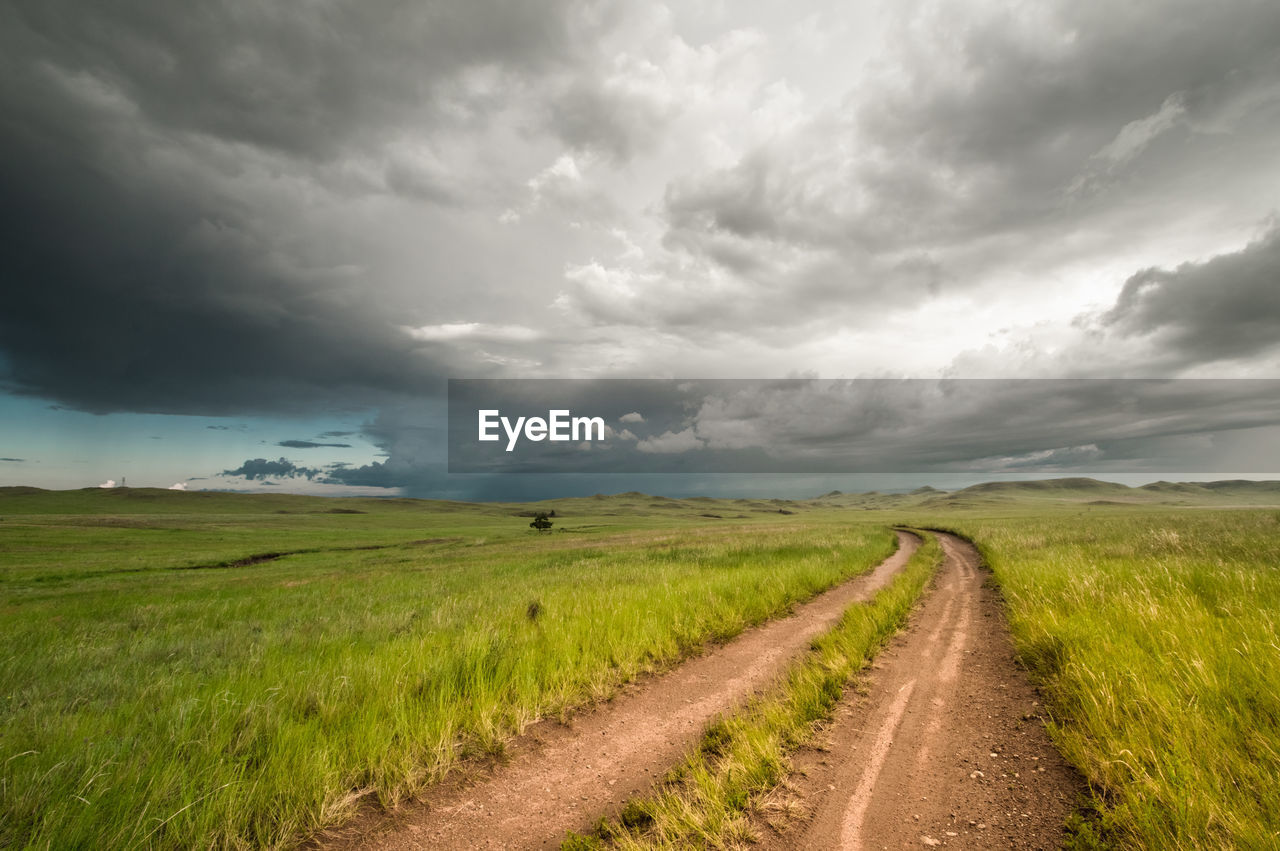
[178, 486]
[671, 443]
[479, 331]
[1136, 135]
[561, 173]
[564, 190]
[1066, 457]
[633, 417]
[1132, 139]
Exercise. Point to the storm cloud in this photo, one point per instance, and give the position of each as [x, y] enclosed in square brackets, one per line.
[261, 468]
[1225, 308]
[173, 187]
[325, 213]
[309, 444]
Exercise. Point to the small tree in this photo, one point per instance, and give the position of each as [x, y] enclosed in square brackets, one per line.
[541, 522]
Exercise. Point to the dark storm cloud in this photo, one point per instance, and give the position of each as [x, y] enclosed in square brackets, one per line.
[145, 268]
[1225, 308]
[412, 436]
[261, 468]
[307, 444]
[379, 474]
[122, 297]
[304, 82]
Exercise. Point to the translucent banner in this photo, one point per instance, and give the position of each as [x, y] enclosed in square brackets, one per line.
[863, 425]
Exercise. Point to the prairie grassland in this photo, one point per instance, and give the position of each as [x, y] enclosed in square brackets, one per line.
[1154, 634]
[704, 801]
[150, 698]
[146, 704]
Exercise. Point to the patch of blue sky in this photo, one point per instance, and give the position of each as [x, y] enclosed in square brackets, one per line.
[64, 448]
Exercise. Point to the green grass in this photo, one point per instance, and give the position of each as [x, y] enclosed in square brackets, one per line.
[1154, 634]
[150, 697]
[706, 800]
[148, 704]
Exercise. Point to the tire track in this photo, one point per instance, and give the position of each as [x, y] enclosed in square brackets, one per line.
[565, 778]
[947, 748]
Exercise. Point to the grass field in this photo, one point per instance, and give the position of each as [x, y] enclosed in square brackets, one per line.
[246, 704]
[226, 671]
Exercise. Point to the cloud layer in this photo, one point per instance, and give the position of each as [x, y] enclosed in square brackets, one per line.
[877, 425]
[244, 212]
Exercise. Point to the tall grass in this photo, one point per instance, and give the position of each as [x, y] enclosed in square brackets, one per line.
[706, 800]
[1155, 636]
[246, 707]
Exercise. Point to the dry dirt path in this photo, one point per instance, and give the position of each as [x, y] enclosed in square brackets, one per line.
[946, 748]
[565, 778]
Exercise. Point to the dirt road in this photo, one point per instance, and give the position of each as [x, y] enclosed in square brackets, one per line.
[561, 778]
[946, 749]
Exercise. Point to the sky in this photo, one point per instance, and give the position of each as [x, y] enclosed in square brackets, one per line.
[246, 246]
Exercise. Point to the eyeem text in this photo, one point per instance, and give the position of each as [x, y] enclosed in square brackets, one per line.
[559, 425]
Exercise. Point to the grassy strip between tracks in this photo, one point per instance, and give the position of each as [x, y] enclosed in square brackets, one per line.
[706, 800]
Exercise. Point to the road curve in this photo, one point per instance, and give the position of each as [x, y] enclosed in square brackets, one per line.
[946, 748]
[565, 778]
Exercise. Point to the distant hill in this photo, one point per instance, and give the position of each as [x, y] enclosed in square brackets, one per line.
[1096, 492]
[1242, 486]
[27, 500]
[1079, 491]
[1074, 484]
[1172, 487]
